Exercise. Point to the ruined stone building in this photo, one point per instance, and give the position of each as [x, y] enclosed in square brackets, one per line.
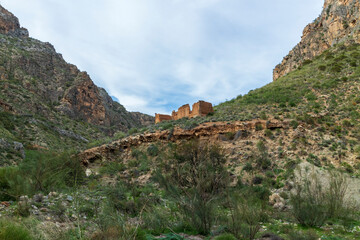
[200, 108]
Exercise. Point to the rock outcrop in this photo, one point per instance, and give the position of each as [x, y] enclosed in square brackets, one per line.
[9, 24]
[339, 22]
[144, 119]
[199, 109]
[204, 130]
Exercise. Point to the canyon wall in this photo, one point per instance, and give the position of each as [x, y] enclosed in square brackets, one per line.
[339, 22]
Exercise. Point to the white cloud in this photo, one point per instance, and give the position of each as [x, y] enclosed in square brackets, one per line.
[155, 55]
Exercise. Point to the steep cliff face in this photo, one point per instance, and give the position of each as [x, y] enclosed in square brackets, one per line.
[339, 22]
[35, 79]
[9, 24]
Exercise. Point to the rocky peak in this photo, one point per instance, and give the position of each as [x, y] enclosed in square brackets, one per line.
[339, 22]
[9, 24]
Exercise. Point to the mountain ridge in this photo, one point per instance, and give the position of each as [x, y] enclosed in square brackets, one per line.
[60, 83]
[47, 102]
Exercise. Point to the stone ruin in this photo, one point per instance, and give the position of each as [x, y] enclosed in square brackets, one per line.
[199, 109]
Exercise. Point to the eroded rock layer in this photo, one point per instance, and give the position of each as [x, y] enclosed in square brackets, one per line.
[204, 130]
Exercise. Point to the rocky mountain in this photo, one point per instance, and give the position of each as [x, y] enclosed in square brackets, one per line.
[38, 84]
[339, 22]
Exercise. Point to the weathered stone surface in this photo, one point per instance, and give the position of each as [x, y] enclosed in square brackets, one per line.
[144, 119]
[277, 201]
[9, 24]
[183, 111]
[199, 109]
[162, 117]
[71, 135]
[338, 22]
[12, 146]
[240, 134]
[203, 130]
[83, 100]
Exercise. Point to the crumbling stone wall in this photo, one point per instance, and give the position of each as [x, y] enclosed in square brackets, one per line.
[183, 111]
[162, 117]
[200, 108]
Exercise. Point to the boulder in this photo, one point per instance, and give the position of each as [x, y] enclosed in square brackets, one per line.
[277, 201]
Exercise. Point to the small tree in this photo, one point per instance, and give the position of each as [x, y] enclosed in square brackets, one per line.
[195, 177]
[246, 214]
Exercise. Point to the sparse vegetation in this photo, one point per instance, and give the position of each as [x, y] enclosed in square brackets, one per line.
[314, 202]
[172, 190]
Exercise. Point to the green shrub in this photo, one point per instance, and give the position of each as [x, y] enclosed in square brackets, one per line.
[132, 131]
[51, 171]
[112, 168]
[314, 203]
[133, 163]
[309, 235]
[262, 158]
[41, 171]
[153, 150]
[246, 215]
[322, 67]
[314, 160]
[259, 127]
[308, 202]
[248, 167]
[167, 126]
[268, 133]
[347, 167]
[23, 207]
[269, 174]
[263, 116]
[136, 153]
[13, 231]
[230, 135]
[294, 124]
[190, 125]
[306, 62]
[195, 177]
[336, 68]
[8, 176]
[261, 192]
[311, 96]
[353, 64]
[159, 220]
[258, 179]
[225, 236]
[119, 135]
[7, 121]
[168, 236]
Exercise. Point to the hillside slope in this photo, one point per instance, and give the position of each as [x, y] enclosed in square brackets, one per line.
[311, 115]
[47, 102]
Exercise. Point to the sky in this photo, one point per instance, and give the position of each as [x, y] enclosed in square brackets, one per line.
[156, 55]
